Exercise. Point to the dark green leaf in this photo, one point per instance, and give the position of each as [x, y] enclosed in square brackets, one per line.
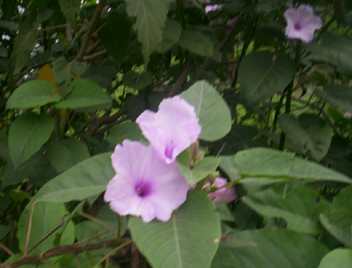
[261, 76]
[197, 43]
[338, 96]
[27, 134]
[309, 134]
[125, 130]
[269, 248]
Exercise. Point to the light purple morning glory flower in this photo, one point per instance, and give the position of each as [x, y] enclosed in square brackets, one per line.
[302, 23]
[212, 8]
[172, 129]
[222, 194]
[144, 185]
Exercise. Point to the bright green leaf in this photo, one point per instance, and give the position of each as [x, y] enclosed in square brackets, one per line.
[32, 94]
[86, 179]
[339, 258]
[85, 94]
[213, 113]
[188, 240]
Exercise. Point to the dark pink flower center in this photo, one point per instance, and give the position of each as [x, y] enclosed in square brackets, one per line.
[297, 26]
[169, 150]
[143, 188]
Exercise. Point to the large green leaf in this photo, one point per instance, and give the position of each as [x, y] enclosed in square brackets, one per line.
[264, 163]
[66, 153]
[212, 111]
[298, 207]
[86, 179]
[150, 20]
[197, 43]
[337, 219]
[269, 249]
[333, 49]
[33, 93]
[188, 240]
[171, 35]
[27, 134]
[337, 96]
[45, 218]
[261, 76]
[122, 131]
[85, 94]
[308, 134]
[339, 258]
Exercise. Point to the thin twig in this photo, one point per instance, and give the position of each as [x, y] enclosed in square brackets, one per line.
[6, 249]
[28, 229]
[113, 251]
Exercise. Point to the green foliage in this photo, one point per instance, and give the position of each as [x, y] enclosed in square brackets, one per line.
[269, 248]
[189, 239]
[213, 113]
[337, 258]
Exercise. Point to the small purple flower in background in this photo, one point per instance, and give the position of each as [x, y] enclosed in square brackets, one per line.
[172, 129]
[212, 8]
[302, 23]
[144, 185]
[222, 194]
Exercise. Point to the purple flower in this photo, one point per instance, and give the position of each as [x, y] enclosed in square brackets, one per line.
[144, 185]
[222, 194]
[212, 8]
[302, 23]
[172, 129]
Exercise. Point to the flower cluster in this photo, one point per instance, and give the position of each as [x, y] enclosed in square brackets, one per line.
[148, 182]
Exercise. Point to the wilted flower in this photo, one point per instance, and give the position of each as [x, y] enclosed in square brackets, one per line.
[172, 129]
[144, 185]
[221, 194]
[212, 8]
[302, 23]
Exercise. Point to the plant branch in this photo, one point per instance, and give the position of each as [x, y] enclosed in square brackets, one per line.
[62, 250]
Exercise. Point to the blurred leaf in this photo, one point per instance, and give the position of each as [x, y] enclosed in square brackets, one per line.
[119, 26]
[86, 179]
[333, 49]
[171, 35]
[269, 248]
[45, 218]
[150, 20]
[70, 8]
[203, 168]
[261, 76]
[188, 240]
[337, 219]
[138, 81]
[32, 94]
[264, 163]
[68, 235]
[122, 131]
[212, 111]
[27, 134]
[298, 207]
[338, 96]
[4, 230]
[307, 134]
[85, 94]
[66, 153]
[341, 258]
[197, 43]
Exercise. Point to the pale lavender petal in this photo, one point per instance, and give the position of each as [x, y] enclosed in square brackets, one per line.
[302, 23]
[223, 194]
[212, 8]
[145, 185]
[172, 129]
